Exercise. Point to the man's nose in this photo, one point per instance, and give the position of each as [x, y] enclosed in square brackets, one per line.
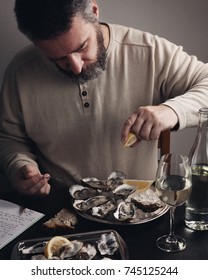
[75, 63]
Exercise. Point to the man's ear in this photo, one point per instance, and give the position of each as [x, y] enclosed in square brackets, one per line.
[95, 8]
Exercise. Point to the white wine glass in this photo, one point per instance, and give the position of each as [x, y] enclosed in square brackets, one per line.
[173, 186]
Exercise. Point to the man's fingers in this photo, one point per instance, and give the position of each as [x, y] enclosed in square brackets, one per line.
[128, 127]
[40, 187]
[29, 170]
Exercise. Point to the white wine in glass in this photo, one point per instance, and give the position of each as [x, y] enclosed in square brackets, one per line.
[173, 186]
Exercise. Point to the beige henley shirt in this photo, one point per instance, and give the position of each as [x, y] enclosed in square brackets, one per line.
[66, 128]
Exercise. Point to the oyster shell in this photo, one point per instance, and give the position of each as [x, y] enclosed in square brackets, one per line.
[104, 209]
[87, 252]
[115, 179]
[107, 244]
[84, 205]
[124, 190]
[148, 196]
[69, 250]
[80, 192]
[125, 211]
[147, 201]
[34, 249]
[95, 183]
[118, 175]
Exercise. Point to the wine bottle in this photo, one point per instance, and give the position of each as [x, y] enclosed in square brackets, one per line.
[196, 209]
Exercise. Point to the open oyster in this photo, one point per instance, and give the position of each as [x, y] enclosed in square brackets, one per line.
[84, 205]
[88, 252]
[80, 192]
[107, 245]
[115, 179]
[124, 190]
[125, 211]
[104, 209]
[69, 250]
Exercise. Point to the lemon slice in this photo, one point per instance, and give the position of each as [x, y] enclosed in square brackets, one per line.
[54, 244]
[130, 140]
[142, 185]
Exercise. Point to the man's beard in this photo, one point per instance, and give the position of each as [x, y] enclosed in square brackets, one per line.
[94, 69]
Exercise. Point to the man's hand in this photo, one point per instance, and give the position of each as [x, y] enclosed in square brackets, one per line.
[30, 181]
[148, 122]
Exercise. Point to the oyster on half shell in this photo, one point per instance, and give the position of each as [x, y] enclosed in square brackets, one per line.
[125, 211]
[104, 209]
[84, 205]
[107, 244]
[80, 192]
[115, 179]
[87, 252]
[124, 190]
[69, 250]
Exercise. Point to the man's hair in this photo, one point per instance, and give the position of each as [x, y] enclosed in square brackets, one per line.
[47, 19]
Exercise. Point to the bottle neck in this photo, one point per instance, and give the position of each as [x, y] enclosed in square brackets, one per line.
[199, 150]
[203, 121]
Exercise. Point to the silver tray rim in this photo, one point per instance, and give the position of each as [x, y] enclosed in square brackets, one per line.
[163, 211]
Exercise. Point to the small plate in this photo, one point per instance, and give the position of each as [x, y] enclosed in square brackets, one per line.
[21, 252]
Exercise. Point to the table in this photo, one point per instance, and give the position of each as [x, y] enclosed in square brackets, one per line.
[140, 239]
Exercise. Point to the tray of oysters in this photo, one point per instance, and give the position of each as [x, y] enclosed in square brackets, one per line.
[117, 200]
[94, 245]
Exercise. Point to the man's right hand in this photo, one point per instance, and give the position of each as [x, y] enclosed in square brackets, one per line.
[28, 180]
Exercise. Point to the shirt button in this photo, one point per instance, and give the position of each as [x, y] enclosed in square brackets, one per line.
[84, 93]
[86, 104]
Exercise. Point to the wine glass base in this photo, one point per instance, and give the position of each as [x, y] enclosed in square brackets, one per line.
[167, 244]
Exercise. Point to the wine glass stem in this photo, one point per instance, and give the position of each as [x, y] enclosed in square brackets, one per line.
[171, 236]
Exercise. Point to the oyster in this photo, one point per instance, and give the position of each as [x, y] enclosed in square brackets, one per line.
[34, 249]
[69, 250]
[125, 211]
[84, 205]
[94, 183]
[124, 190]
[90, 179]
[115, 179]
[107, 244]
[118, 175]
[149, 196]
[80, 192]
[147, 201]
[104, 209]
[87, 252]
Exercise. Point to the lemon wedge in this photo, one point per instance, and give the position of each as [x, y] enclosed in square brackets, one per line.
[54, 244]
[130, 140]
[142, 185]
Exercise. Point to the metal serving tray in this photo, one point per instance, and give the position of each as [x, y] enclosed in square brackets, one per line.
[22, 251]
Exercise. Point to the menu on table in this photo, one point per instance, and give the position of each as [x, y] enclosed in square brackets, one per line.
[14, 220]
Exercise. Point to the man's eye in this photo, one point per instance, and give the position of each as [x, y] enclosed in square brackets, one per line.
[82, 48]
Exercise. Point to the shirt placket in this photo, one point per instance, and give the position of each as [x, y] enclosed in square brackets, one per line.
[85, 97]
